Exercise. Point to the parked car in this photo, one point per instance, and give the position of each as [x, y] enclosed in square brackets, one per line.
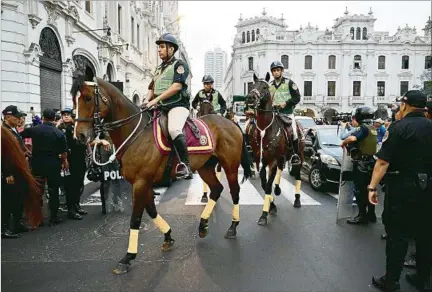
[323, 156]
[306, 122]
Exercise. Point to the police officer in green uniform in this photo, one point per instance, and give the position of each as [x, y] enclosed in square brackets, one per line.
[286, 96]
[362, 145]
[168, 91]
[210, 94]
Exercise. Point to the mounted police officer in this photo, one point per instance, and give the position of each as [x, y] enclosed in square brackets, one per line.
[168, 91]
[286, 96]
[362, 145]
[210, 94]
[405, 159]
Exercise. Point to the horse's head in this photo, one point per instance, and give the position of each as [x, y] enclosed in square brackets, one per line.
[206, 108]
[90, 107]
[259, 96]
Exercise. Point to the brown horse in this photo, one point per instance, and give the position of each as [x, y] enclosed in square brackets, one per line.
[14, 162]
[100, 105]
[270, 145]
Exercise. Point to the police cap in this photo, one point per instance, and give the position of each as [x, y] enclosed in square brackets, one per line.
[49, 114]
[414, 98]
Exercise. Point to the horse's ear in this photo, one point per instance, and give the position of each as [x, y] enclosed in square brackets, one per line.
[267, 78]
[255, 78]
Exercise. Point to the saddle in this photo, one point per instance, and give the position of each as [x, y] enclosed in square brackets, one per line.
[287, 123]
[199, 139]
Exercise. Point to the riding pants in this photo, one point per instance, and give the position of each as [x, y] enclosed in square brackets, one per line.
[294, 126]
[176, 119]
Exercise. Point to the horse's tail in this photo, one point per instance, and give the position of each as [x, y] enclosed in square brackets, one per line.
[245, 159]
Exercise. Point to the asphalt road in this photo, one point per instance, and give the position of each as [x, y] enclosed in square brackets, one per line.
[300, 249]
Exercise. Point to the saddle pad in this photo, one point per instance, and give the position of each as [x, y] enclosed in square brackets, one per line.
[202, 145]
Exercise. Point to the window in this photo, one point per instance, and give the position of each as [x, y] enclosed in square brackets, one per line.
[331, 88]
[253, 35]
[132, 30]
[405, 62]
[251, 66]
[381, 88]
[428, 62]
[250, 86]
[88, 6]
[285, 61]
[403, 87]
[364, 33]
[332, 62]
[357, 62]
[358, 33]
[119, 20]
[258, 32]
[243, 37]
[356, 88]
[308, 62]
[138, 36]
[381, 62]
[352, 33]
[307, 88]
[248, 36]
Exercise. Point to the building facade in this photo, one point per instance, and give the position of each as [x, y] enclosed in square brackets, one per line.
[350, 65]
[43, 42]
[215, 63]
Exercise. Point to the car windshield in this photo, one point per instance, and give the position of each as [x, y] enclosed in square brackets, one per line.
[329, 137]
[306, 123]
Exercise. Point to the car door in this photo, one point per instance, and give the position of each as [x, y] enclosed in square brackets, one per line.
[309, 151]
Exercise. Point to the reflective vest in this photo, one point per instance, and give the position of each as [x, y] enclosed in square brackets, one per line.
[163, 80]
[215, 100]
[282, 94]
[369, 145]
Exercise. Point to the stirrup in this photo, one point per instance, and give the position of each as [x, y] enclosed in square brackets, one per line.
[182, 174]
[293, 157]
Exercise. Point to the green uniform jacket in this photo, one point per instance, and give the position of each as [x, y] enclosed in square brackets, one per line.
[286, 91]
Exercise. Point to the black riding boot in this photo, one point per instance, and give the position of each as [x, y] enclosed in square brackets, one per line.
[185, 170]
[295, 159]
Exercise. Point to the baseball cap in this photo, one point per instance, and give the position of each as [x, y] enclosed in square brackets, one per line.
[13, 111]
[415, 98]
[48, 113]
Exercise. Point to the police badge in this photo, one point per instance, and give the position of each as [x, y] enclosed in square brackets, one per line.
[180, 69]
[203, 140]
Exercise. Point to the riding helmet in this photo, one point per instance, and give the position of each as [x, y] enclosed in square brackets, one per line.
[364, 113]
[276, 64]
[169, 39]
[207, 79]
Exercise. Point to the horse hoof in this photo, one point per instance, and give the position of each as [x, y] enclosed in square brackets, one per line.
[203, 232]
[121, 269]
[297, 203]
[277, 190]
[262, 221]
[204, 199]
[273, 209]
[168, 245]
[231, 233]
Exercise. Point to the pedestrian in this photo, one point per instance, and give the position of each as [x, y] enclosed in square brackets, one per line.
[406, 161]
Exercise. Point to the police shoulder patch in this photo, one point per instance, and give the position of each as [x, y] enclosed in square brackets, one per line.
[294, 86]
[386, 135]
[180, 69]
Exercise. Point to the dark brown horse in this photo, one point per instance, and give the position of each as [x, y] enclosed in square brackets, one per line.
[14, 162]
[270, 145]
[100, 105]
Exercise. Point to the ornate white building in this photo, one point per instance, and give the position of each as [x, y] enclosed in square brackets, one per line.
[350, 65]
[42, 42]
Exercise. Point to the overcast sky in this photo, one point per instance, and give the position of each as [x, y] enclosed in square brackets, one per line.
[206, 24]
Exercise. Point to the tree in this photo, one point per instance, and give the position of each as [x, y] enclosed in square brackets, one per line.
[426, 81]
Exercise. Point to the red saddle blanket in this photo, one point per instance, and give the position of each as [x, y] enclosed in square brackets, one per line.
[202, 145]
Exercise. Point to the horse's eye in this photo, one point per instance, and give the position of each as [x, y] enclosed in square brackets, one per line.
[87, 98]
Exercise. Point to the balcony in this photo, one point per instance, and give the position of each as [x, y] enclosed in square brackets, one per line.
[356, 100]
[381, 100]
[332, 100]
[309, 100]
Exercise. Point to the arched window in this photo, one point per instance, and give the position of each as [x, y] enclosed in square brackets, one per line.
[352, 33]
[405, 62]
[250, 60]
[285, 61]
[332, 62]
[253, 35]
[258, 32]
[357, 62]
[364, 33]
[358, 33]
[308, 62]
[243, 37]
[248, 37]
[381, 62]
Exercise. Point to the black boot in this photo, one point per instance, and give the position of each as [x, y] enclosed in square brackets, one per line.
[361, 218]
[295, 159]
[185, 170]
[80, 210]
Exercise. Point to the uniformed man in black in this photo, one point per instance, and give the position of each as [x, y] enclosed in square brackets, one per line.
[210, 94]
[77, 166]
[362, 145]
[406, 161]
[49, 156]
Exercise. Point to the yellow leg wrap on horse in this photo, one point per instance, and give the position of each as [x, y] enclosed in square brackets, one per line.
[236, 213]
[278, 176]
[161, 224]
[206, 188]
[267, 200]
[208, 209]
[297, 186]
[133, 241]
[218, 175]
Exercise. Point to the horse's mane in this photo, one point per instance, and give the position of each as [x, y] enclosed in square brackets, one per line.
[13, 162]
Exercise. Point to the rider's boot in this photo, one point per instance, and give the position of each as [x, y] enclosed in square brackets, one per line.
[295, 158]
[180, 145]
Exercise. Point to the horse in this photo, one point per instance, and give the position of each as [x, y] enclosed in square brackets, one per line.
[99, 106]
[272, 146]
[14, 162]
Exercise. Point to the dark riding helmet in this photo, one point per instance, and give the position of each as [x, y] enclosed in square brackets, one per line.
[66, 110]
[276, 64]
[169, 39]
[364, 114]
[207, 79]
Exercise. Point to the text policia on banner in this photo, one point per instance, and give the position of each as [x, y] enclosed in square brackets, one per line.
[112, 175]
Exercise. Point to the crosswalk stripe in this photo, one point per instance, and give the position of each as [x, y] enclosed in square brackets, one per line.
[288, 190]
[195, 191]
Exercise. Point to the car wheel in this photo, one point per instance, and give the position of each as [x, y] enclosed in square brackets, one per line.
[315, 178]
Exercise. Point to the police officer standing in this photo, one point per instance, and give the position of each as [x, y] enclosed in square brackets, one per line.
[210, 94]
[405, 159]
[286, 96]
[49, 156]
[77, 166]
[362, 145]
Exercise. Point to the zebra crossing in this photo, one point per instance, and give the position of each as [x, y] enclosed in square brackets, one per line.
[250, 193]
